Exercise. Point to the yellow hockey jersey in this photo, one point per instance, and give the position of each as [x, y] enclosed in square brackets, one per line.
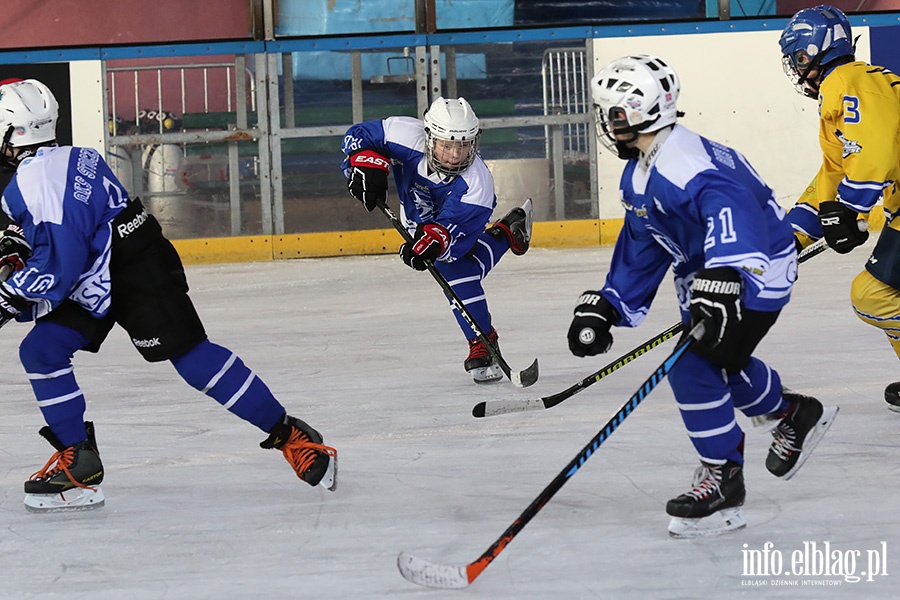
[859, 133]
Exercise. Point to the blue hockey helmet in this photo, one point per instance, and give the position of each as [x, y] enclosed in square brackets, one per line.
[812, 39]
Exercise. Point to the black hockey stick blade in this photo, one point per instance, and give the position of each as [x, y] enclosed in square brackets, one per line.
[501, 407]
[451, 577]
[526, 376]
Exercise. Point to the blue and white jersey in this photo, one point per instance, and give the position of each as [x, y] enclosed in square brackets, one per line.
[64, 198]
[693, 203]
[463, 204]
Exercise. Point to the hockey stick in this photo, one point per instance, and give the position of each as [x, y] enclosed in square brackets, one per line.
[522, 378]
[816, 248]
[501, 407]
[6, 272]
[435, 575]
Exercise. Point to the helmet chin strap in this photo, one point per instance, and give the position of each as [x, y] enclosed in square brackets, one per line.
[11, 157]
[813, 85]
[625, 151]
[8, 162]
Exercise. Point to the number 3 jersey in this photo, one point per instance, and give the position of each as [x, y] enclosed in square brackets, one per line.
[692, 203]
[859, 132]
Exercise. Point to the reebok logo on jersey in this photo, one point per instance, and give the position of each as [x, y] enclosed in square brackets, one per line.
[151, 343]
[126, 229]
[711, 286]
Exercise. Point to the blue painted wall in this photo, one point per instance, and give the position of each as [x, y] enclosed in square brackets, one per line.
[885, 49]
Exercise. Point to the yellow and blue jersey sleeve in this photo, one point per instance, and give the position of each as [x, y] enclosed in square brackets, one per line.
[859, 106]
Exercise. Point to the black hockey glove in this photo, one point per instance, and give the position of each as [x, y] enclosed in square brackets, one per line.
[430, 243]
[840, 227]
[14, 250]
[589, 332]
[10, 305]
[368, 178]
[716, 302]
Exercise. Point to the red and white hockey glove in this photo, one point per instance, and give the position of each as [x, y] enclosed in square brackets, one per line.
[368, 177]
[14, 250]
[430, 243]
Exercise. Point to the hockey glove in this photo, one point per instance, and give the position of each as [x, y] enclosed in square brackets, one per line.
[368, 178]
[589, 332]
[840, 227]
[431, 241]
[14, 249]
[716, 302]
[10, 305]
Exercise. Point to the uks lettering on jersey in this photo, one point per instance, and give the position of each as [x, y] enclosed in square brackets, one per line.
[53, 213]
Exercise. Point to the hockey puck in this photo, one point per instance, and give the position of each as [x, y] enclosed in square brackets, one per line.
[587, 336]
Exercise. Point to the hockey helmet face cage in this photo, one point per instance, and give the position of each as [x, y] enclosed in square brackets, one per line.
[812, 39]
[615, 133]
[451, 136]
[28, 114]
[632, 95]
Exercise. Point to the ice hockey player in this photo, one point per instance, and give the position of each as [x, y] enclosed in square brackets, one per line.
[699, 207]
[446, 196]
[87, 257]
[859, 132]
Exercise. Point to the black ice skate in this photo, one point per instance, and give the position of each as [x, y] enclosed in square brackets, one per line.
[480, 363]
[313, 462]
[516, 225]
[713, 506]
[796, 436]
[892, 396]
[71, 478]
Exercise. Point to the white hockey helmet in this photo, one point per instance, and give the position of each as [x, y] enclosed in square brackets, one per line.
[631, 95]
[28, 113]
[452, 121]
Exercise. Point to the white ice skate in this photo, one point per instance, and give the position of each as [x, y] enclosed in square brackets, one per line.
[489, 374]
[723, 521]
[74, 499]
[329, 479]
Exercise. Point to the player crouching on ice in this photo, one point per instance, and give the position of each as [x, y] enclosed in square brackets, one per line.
[446, 196]
[699, 207]
[87, 257]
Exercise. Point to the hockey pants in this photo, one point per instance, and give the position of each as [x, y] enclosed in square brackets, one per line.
[465, 275]
[878, 304]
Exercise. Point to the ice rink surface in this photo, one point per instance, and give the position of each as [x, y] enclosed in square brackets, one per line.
[367, 352]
